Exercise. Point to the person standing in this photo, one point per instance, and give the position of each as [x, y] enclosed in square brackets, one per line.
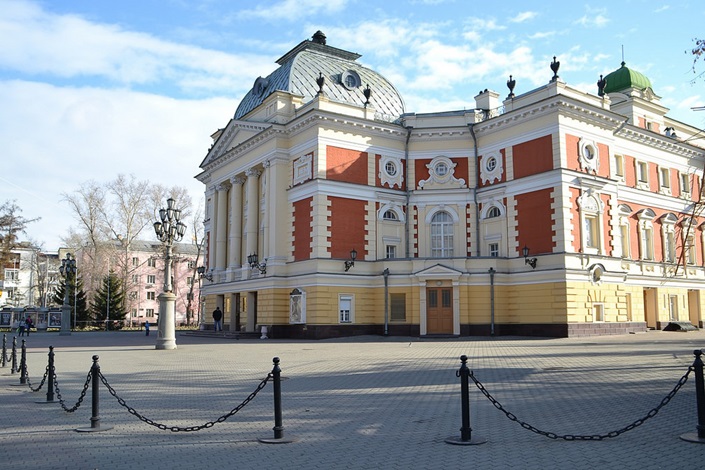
[28, 324]
[217, 319]
[146, 327]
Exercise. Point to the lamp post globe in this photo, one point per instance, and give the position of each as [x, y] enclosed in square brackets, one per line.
[169, 230]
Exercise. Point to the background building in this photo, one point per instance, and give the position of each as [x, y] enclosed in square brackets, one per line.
[333, 211]
[29, 278]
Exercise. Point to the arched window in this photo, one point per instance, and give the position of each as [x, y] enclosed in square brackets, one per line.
[493, 212]
[442, 235]
[390, 215]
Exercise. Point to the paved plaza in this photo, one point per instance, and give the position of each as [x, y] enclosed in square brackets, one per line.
[357, 403]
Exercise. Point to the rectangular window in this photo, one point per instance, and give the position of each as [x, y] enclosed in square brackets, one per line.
[624, 235]
[135, 279]
[189, 281]
[397, 307]
[642, 172]
[149, 312]
[665, 178]
[133, 295]
[151, 279]
[494, 250]
[151, 295]
[619, 166]
[152, 262]
[135, 261]
[591, 233]
[345, 308]
[12, 275]
[134, 312]
[685, 184]
[673, 307]
[191, 265]
[647, 246]
[690, 250]
[670, 247]
[391, 251]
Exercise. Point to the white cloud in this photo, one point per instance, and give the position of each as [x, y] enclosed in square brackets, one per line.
[67, 46]
[294, 10]
[57, 138]
[524, 16]
[594, 18]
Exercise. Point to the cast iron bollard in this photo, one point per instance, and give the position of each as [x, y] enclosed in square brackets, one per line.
[95, 399]
[51, 378]
[23, 364]
[4, 350]
[698, 436]
[278, 427]
[466, 438]
[13, 368]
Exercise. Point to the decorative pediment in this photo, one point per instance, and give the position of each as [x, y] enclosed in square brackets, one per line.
[438, 271]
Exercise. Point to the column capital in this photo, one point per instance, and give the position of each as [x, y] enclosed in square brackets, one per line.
[253, 173]
[239, 179]
[221, 187]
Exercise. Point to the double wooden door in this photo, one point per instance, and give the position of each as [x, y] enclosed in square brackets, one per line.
[439, 310]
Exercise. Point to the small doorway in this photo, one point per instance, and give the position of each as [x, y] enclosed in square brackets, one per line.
[694, 307]
[439, 310]
[650, 309]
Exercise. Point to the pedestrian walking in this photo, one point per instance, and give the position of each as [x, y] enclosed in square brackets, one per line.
[146, 328]
[217, 319]
[28, 324]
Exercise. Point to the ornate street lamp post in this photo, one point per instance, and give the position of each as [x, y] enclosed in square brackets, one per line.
[169, 230]
[67, 269]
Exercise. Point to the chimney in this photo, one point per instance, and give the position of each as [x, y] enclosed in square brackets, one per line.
[487, 100]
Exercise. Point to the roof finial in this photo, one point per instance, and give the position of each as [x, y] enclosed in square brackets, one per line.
[623, 62]
[319, 37]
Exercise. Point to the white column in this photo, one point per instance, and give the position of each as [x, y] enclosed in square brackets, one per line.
[252, 228]
[212, 201]
[235, 252]
[221, 228]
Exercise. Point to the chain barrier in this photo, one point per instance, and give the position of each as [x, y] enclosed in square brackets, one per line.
[80, 398]
[46, 374]
[591, 437]
[164, 427]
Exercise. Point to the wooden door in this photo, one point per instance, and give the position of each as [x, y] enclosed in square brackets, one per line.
[439, 310]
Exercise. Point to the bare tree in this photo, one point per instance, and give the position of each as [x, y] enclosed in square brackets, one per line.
[12, 224]
[197, 233]
[698, 53]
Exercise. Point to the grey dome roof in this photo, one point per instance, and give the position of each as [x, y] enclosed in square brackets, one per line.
[345, 79]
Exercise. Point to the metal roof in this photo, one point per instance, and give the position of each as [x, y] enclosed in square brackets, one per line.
[300, 68]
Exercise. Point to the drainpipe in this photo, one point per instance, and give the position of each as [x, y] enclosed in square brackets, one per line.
[386, 301]
[477, 186]
[492, 273]
[407, 248]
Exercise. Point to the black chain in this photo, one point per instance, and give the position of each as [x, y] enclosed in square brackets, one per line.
[80, 398]
[46, 374]
[591, 437]
[164, 427]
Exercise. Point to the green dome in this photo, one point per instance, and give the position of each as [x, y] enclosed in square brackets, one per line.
[624, 78]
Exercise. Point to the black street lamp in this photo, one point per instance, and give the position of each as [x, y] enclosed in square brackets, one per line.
[169, 230]
[68, 270]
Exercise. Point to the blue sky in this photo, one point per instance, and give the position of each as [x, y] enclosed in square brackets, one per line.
[89, 89]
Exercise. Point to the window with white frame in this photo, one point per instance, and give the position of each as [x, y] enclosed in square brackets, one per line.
[646, 233]
[493, 212]
[591, 209]
[151, 295]
[664, 176]
[151, 278]
[390, 251]
[12, 275]
[149, 312]
[134, 313]
[642, 175]
[442, 235]
[668, 223]
[684, 179]
[297, 306]
[345, 308]
[152, 262]
[690, 249]
[135, 279]
[135, 261]
[494, 250]
[624, 230]
[390, 215]
[619, 166]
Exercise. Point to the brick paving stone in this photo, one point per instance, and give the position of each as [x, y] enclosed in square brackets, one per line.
[357, 403]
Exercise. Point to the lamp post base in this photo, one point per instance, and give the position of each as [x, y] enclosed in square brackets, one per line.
[166, 336]
[65, 320]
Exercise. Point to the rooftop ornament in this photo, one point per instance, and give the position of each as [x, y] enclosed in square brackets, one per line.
[511, 83]
[555, 65]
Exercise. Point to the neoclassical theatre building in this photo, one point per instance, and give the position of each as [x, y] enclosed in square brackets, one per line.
[331, 210]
